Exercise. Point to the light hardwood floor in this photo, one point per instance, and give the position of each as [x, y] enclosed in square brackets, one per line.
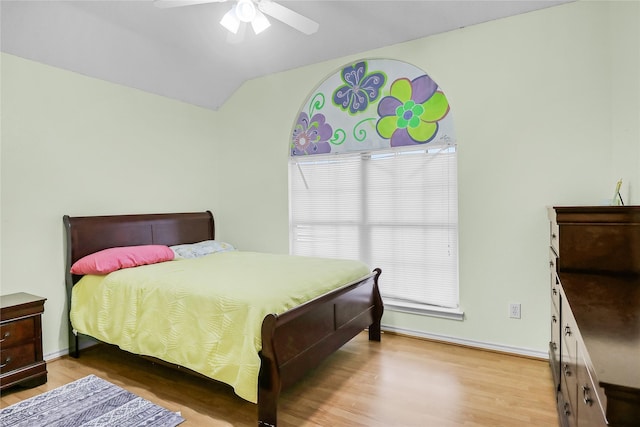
[401, 381]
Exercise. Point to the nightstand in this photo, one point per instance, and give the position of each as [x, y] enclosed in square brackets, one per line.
[21, 360]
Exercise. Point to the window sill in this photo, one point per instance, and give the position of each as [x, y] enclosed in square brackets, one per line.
[423, 309]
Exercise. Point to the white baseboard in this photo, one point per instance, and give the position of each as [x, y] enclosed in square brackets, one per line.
[84, 343]
[470, 343]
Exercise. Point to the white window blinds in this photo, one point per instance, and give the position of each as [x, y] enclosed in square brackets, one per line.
[396, 210]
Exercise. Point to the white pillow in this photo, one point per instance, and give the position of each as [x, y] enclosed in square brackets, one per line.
[197, 250]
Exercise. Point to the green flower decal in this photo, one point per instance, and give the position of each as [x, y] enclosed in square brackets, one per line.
[409, 114]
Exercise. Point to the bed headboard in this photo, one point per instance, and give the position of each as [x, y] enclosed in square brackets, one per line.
[88, 234]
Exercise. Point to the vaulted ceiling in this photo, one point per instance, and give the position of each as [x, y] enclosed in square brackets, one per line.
[184, 53]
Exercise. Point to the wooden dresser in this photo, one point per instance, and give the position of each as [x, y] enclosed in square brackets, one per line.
[21, 359]
[594, 350]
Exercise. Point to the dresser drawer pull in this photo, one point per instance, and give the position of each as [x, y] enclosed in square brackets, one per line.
[6, 362]
[586, 398]
[566, 369]
[567, 331]
[554, 319]
[555, 291]
[5, 336]
[551, 264]
[567, 409]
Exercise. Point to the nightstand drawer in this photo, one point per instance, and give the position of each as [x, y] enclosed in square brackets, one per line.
[15, 332]
[21, 358]
[17, 357]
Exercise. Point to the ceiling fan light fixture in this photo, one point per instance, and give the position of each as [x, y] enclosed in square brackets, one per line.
[260, 22]
[230, 21]
[246, 10]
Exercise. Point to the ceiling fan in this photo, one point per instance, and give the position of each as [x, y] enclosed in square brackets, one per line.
[253, 12]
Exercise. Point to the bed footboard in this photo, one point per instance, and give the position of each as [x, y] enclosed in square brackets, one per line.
[300, 339]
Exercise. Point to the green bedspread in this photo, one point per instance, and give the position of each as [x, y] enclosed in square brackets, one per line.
[206, 313]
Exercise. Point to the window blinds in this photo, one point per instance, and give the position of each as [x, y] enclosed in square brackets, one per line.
[396, 210]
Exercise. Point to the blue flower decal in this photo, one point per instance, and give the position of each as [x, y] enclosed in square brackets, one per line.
[360, 89]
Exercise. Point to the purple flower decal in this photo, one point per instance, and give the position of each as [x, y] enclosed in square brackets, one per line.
[360, 88]
[311, 136]
[410, 114]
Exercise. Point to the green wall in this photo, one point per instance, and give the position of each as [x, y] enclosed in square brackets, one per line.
[81, 146]
[547, 112]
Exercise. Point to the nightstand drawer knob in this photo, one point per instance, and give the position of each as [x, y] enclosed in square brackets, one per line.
[6, 362]
[5, 336]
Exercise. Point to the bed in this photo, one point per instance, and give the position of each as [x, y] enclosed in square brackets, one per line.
[291, 342]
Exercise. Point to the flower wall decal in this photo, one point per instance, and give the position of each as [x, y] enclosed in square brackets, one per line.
[311, 136]
[410, 114]
[360, 89]
[397, 105]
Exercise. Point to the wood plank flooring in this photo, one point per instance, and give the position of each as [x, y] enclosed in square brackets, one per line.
[401, 381]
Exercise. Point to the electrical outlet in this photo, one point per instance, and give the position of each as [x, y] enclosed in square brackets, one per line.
[514, 311]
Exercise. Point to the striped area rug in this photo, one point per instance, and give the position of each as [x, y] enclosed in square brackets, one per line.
[88, 402]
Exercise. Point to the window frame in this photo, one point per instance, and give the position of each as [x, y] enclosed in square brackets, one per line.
[365, 226]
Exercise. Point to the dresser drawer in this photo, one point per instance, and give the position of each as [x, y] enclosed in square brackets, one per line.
[568, 331]
[555, 291]
[554, 237]
[589, 408]
[568, 355]
[17, 357]
[568, 404]
[15, 332]
[555, 332]
[554, 346]
[564, 410]
[569, 383]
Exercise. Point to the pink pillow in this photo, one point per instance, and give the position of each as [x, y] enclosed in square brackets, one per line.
[112, 259]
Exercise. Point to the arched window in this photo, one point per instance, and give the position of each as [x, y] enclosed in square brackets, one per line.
[372, 176]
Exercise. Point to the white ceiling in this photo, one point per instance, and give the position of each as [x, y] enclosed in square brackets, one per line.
[183, 53]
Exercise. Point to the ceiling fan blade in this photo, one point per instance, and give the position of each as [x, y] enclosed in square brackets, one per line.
[166, 4]
[288, 16]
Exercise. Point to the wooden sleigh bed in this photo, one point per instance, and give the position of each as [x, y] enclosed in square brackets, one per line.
[292, 343]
